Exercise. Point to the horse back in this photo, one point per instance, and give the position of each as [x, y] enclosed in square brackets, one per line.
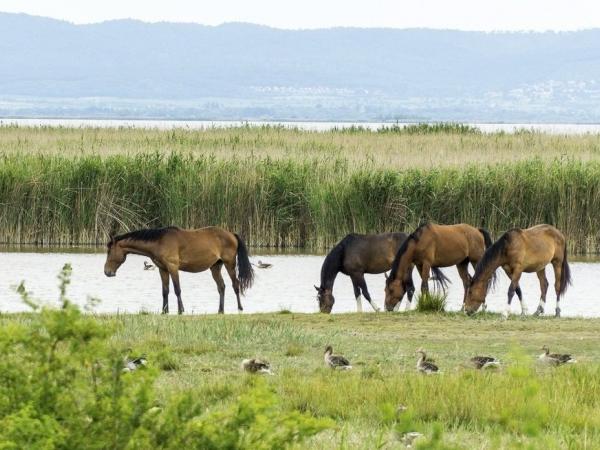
[202, 247]
[371, 253]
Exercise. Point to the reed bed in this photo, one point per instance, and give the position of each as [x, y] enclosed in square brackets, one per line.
[53, 199]
[284, 187]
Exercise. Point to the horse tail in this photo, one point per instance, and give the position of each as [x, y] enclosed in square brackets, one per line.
[565, 278]
[487, 238]
[245, 272]
[439, 278]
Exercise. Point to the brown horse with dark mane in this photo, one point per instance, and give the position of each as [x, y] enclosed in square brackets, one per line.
[354, 256]
[523, 250]
[432, 246]
[173, 249]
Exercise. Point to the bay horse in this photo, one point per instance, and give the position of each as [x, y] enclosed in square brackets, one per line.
[432, 246]
[173, 249]
[355, 255]
[523, 250]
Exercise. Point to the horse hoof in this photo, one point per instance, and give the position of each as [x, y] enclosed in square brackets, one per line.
[557, 314]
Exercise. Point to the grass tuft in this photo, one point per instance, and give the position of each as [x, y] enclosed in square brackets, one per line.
[432, 302]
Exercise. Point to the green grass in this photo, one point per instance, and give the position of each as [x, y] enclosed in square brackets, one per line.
[522, 405]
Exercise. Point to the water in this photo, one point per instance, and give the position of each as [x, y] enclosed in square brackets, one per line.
[287, 285]
[552, 128]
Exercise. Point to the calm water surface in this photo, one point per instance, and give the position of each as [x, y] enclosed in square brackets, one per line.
[287, 285]
[553, 128]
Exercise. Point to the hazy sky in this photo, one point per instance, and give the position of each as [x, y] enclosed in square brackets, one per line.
[456, 14]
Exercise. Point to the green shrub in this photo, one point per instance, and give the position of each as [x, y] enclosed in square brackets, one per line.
[431, 302]
[62, 386]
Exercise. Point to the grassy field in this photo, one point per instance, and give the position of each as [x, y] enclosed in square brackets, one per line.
[523, 405]
[444, 145]
[283, 187]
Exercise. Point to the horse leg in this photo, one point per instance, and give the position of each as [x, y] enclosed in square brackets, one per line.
[514, 283]
[463, 272]
[410, 290]
[424, 270]
[215, 270]
[520, 295]
[363, 287]
[235, 283]
[164, 278]
[355, 285]
[177, 288]
[484, 305]
[557, 277]
[544, 289]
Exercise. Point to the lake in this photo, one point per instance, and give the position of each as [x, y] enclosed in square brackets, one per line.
[553, 128]
[287, 285]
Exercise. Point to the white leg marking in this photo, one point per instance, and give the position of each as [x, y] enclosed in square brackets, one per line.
[358, 304]
[375, 308]
[506, 311]
[524, 311]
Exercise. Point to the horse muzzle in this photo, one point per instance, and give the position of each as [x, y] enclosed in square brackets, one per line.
[109, 273]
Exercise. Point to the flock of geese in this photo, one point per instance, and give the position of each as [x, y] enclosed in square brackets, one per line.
[424, 364]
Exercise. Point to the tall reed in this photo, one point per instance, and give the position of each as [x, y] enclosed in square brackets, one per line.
[46, 199]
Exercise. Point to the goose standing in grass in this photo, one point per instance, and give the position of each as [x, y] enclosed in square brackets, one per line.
[409, 438]
[425, 366]
[256, 365]
[335, 361]
[131, 364]
[263, 265]
[555, 359]
[148, 266]
[483, 362]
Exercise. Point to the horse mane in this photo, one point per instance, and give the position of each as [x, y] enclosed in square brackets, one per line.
[414, 236]
[148, 234]
[496, 250]
[334, 259]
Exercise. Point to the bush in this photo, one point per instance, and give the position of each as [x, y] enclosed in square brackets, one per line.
[431, 302]
[62, 386]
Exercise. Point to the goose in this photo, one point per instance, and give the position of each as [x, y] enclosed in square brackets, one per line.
[425, 366]
[483, 362]
[131, 364]
[409, 438]
[148, 266]
[256, 365]
[335, 361]
[555, 358]
[263, 265]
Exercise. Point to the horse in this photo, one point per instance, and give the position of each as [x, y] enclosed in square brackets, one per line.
[173, 249]
[432, 246]
[355, 255]
[523, 250]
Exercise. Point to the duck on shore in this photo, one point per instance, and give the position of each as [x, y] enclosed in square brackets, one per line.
[555, 359]
[335, 361]
[424, 365]
[256, 365]
[483, 362]
[134, 363]
[262, 265]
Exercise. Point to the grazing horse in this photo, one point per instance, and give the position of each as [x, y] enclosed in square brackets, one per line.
[173, 249]
[354, 256]
[432, 246]
[523, 250]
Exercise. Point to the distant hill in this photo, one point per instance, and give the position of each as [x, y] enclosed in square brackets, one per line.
[128, 68]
